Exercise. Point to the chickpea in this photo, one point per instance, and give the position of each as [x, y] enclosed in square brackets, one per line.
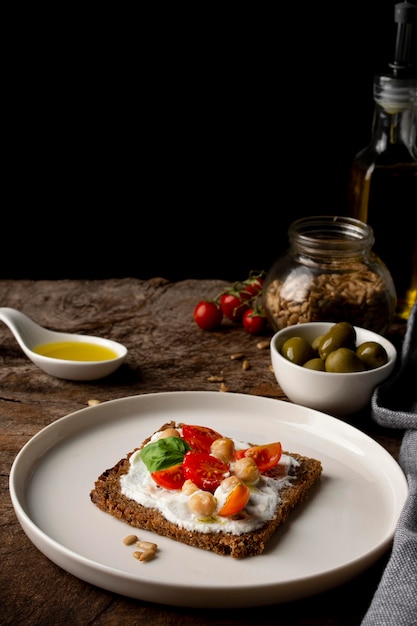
[223, 449]
[202, 503]
[246, 469]
[189, 487]
[230, 482]
[168, 432]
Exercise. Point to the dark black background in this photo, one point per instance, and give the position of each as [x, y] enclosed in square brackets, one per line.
[182, 143]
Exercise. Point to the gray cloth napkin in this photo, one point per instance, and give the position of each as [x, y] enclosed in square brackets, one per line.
[394, 405]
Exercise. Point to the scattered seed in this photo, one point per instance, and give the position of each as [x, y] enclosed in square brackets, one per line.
[261, 345]
[146, 545]
[245, 365]
[147, 555]
[236, 356]
[223, 387]
[93, 402]
[129, 540]
[147, 551]
[215, 379]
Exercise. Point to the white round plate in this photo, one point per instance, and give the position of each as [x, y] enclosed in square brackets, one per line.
[345, 525]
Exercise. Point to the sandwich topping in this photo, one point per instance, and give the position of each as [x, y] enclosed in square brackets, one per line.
[202, 481]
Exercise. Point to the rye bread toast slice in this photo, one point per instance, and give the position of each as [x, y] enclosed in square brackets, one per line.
[108, 497]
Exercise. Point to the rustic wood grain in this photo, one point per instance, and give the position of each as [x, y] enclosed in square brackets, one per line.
[167, 352]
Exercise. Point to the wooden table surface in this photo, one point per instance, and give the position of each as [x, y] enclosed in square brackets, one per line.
[167, 352]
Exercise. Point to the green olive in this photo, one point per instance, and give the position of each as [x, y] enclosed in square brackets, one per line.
[372, 354]
[316, 343]
[341, 335]
[315, 364]
[344, 360]
[298, 350]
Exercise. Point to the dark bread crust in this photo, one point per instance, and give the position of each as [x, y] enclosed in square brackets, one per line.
[107, 496]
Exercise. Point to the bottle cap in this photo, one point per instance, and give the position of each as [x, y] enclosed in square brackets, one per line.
[396, 90]
[405, 15]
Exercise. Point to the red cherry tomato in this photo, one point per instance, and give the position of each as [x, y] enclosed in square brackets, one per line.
[265, 456]
[234, 304]
[205, 471]
[254, 286]
[199, 438]
[254, 322]
[170, 478]
[208, 315]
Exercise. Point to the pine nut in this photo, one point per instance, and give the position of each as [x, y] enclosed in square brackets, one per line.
[147, 555]
[146, 545]
[129, 540]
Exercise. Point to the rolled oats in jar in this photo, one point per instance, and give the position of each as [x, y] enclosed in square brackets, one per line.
[330, 273]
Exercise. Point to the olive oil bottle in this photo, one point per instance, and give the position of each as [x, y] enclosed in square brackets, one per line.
[383, 178]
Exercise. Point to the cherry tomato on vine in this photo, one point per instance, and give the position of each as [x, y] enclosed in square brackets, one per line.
[254, 285]
[205, 470]
[254, 322]
[208, 315]
[234, 304]
[265, 456]
[199, 438]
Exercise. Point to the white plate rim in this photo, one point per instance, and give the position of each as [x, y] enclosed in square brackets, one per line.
[301, 420]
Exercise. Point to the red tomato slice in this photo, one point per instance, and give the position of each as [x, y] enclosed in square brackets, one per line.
[204, 470]
[170, 478]
[236, 500]
[199, 438]
[265, 456]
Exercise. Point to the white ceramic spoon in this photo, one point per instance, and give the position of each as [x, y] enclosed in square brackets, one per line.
[29, 334]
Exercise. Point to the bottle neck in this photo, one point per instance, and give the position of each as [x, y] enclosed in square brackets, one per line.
[395, 114]
[394, 129]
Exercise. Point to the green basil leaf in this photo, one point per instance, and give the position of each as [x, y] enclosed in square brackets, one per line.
[164, 453]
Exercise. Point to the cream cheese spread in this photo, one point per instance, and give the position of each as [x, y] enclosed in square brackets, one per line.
[139, 486]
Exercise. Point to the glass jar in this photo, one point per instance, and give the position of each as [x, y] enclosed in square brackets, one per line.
[329, 273]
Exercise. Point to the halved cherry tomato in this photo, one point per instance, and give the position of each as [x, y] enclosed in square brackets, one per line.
[204, 470]
[265, 456]
[170, 478]
[199, 438]
[236, 500]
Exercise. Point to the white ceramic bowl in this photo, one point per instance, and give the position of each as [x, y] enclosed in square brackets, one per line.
[334, 393]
